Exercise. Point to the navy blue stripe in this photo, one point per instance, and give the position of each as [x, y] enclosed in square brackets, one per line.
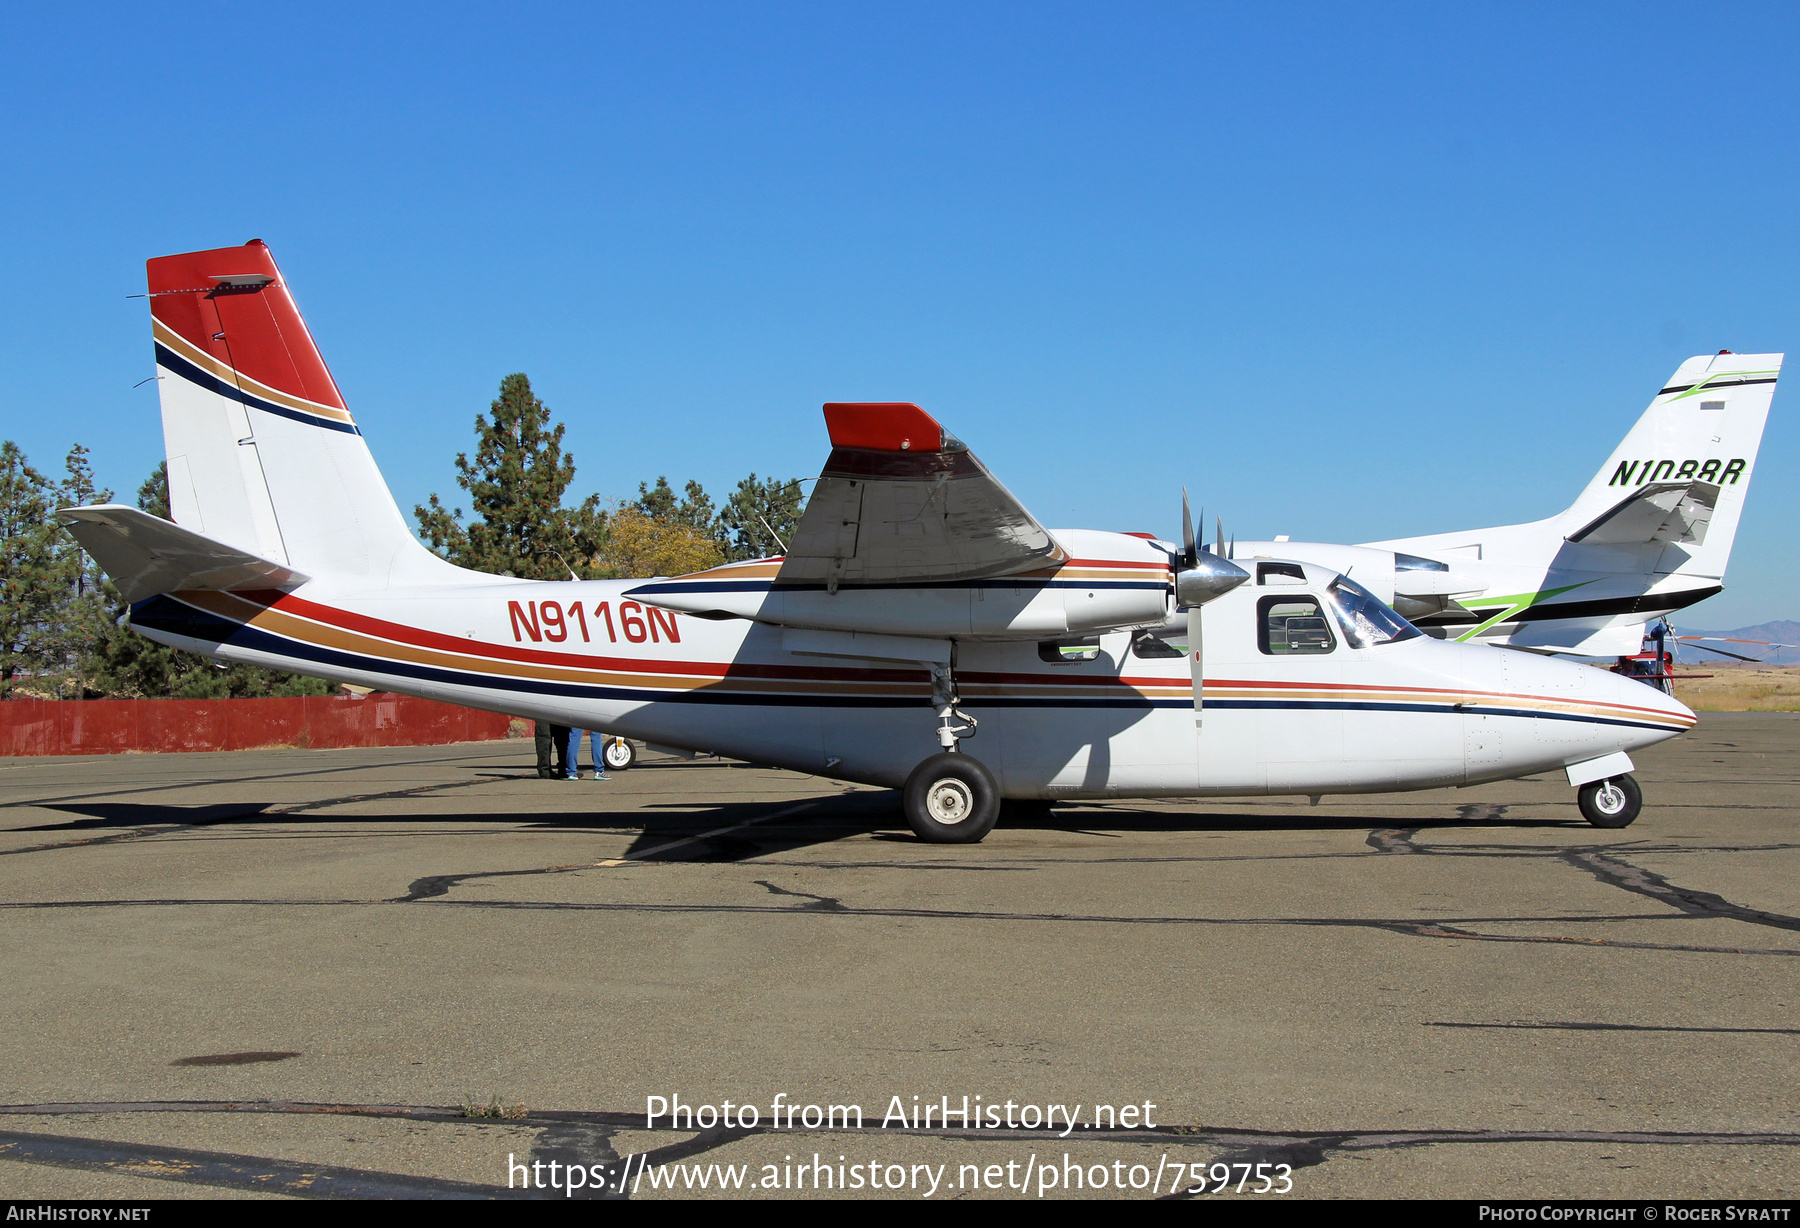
[166, 357]
[764, 586]
[1341, 705]
[177, 618]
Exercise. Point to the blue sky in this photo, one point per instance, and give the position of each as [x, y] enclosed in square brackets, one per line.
[1346, 271]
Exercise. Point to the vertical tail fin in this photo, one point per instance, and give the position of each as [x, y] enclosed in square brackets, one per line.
[263, 453]
[1701, 432]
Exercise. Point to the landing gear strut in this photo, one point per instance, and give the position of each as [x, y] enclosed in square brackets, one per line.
[953, 723]
[951, 798]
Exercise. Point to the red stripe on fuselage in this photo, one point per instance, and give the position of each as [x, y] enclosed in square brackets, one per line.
[421, 638]
[418, 637]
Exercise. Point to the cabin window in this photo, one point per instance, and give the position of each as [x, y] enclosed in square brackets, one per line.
[1292, 626]
[1066, 652]
[1159, 647]
[1280, 573]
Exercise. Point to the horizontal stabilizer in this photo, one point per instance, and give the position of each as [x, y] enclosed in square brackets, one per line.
[901, 500]
[1677, 512]
[146, 556]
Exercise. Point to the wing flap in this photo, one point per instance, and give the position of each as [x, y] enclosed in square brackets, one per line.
[146, 556]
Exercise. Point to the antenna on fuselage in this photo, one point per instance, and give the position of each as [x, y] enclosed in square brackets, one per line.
[773, 533]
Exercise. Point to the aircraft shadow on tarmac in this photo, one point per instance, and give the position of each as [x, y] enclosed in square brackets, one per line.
[101, 815]
[735, 831]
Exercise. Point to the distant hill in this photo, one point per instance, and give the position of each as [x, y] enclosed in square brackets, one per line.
[1783, 632]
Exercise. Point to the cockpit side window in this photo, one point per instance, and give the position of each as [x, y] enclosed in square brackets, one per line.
[1367, 621]
[1293, 626]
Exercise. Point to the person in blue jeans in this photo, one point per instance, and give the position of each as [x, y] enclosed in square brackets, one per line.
[596, 746]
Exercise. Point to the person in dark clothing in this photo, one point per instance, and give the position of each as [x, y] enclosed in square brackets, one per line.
[544, 739]
[552, 743]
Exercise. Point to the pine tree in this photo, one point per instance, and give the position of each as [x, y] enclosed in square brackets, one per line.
[657, 502]
[694, 509]
[516, 484]
[760, 517]
[88, 603]
[29, 572]
[153, 495]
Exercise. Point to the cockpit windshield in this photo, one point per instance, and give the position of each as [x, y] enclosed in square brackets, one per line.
[1366, 620]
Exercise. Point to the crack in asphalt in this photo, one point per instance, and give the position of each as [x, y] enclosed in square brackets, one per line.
[1615, 872]
[1407, 927]
[1616, 1027]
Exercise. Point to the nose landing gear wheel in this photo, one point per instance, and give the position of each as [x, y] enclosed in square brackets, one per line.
[951, 799]
[619, 754]
[1611, 803]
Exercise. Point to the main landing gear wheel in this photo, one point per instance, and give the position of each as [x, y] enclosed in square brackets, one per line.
[951, 799]
[1611, 803]
[619, 754]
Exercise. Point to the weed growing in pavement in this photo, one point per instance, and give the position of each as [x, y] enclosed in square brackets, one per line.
[493, 1108]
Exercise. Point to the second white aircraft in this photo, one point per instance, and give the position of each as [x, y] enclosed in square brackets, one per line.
[1649, 535]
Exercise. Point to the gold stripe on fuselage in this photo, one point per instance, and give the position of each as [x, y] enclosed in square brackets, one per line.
[213, 366]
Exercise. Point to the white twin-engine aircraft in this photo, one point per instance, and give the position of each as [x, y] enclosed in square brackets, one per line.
[918, 604]
[1649, 535]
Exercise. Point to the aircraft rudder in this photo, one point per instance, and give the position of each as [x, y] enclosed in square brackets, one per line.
[263, 451]
[1704, 424]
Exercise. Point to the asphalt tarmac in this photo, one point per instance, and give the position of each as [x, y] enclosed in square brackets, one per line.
[310, 973]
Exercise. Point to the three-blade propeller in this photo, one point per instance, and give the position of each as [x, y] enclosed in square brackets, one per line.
[1201, 577]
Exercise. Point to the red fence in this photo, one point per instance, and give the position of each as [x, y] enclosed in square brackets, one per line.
[114, 726]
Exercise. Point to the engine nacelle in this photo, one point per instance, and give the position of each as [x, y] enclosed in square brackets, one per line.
[1111, 580]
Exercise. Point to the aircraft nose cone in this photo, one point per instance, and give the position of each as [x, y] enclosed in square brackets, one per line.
[1670, 714]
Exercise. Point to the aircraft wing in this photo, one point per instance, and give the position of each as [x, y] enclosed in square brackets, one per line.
[146, 555]
[903, 501]
[1660, 512]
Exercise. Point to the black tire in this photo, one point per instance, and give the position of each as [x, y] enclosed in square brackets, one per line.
[1611, 803]
[951, 799]
[618, 754]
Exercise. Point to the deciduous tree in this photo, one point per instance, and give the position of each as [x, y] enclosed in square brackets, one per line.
[638, 545]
